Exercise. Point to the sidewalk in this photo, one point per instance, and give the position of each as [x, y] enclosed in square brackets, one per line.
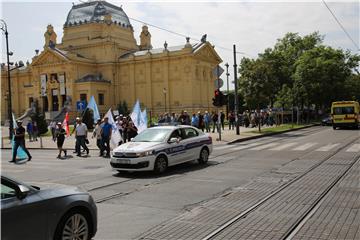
[47, 142]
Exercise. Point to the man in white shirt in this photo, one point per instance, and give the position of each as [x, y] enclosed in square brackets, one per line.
[97, 134]
[81, 136]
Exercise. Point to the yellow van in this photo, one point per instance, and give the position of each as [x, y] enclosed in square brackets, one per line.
[345, 114]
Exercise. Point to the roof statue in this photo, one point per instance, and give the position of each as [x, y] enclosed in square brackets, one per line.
[203, 38]
[50, 37]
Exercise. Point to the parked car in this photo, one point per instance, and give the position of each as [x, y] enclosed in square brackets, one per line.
[160, 147]
[61, 212]
[327, 121]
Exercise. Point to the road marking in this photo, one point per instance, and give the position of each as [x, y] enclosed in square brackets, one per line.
[283, 146]
[354, 148]
[248, 145]
[305, 146]
[327, 147]
[223, 147]
[264, 146]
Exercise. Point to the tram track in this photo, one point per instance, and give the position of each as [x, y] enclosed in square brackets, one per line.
[177, 173]
[302, 219]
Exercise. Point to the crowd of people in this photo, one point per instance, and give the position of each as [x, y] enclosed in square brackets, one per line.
[102, 133]
[201, 121]
[207, 122]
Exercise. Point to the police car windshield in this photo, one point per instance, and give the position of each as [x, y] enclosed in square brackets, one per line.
[152, 135]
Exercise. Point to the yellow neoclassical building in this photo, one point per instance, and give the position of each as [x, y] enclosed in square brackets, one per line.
[99, 56]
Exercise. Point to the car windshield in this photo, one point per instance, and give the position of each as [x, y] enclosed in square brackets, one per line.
[152, 135]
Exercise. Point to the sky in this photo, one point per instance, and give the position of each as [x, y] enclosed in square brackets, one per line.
[252, 26]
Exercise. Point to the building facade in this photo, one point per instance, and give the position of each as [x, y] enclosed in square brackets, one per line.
[99, 56]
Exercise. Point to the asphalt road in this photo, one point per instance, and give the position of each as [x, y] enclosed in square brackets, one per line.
[144, 205]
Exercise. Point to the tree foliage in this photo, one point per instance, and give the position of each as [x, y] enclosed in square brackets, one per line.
[39, 118]
[123, 108]
[299, 71]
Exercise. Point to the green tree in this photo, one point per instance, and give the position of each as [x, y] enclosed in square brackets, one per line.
[256, 81]
[321, 74]
[39, 118]
[123, 108]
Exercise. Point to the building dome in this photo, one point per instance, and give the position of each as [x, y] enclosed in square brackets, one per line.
[95, 11]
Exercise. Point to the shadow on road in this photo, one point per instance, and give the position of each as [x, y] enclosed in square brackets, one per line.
[173, 170]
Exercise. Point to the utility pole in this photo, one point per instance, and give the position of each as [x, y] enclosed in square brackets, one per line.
[11, 124]
[236, 95]
[219, 117]
[227, 92]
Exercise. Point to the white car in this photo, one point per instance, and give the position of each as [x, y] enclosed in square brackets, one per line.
[160, 147]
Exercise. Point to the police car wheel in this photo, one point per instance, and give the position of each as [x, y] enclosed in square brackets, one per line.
[160, 164]
[204, 156]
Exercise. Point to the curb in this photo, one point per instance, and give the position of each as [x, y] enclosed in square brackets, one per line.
[270, 134]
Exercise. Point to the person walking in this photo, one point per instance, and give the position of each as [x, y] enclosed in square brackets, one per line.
[80, 136]
[35, 131]
[195, 121]
[19, 141]
[231, 118]
[29, 129]
[201, 121]
[131, 131]
[222, 119]
[97, 134]
[207, 121]
[119, 124]
[214, 118]
[60, 138]
[106, 131]
[52, 127]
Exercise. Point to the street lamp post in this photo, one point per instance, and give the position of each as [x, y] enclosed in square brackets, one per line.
[8, 54]
[164, 91]
[227, 92]
[236, 94]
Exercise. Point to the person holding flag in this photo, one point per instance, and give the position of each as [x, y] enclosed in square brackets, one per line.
[19, 141]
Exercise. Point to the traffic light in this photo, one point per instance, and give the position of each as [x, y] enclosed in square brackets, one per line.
[223, 99]
[220, 99]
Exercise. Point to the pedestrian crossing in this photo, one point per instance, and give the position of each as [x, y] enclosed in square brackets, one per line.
[291, 146]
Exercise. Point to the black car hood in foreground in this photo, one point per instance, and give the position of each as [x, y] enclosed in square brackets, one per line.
[54, 190]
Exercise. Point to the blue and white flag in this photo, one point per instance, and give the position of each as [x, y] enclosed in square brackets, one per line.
[92, 105]
[20, 153]
[136, 114]
[143, 121]
[115, 135]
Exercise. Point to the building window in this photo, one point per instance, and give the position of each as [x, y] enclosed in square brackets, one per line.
[45, 104]
[101, 99]
[63, 100]
[83, 97]
[31, 100]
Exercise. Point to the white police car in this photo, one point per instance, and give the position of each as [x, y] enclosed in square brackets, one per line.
[159, 147]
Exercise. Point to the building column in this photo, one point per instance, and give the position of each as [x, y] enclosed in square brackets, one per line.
[166, 67]
[148, 87]
[132, 94]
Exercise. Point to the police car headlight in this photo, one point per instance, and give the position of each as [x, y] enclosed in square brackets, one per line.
[144, 154]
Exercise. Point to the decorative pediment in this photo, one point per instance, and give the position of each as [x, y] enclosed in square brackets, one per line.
[49, 57]
[207, 53]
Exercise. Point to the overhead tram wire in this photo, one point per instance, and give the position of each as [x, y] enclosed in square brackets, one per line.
[342, 27]
[183, 35]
